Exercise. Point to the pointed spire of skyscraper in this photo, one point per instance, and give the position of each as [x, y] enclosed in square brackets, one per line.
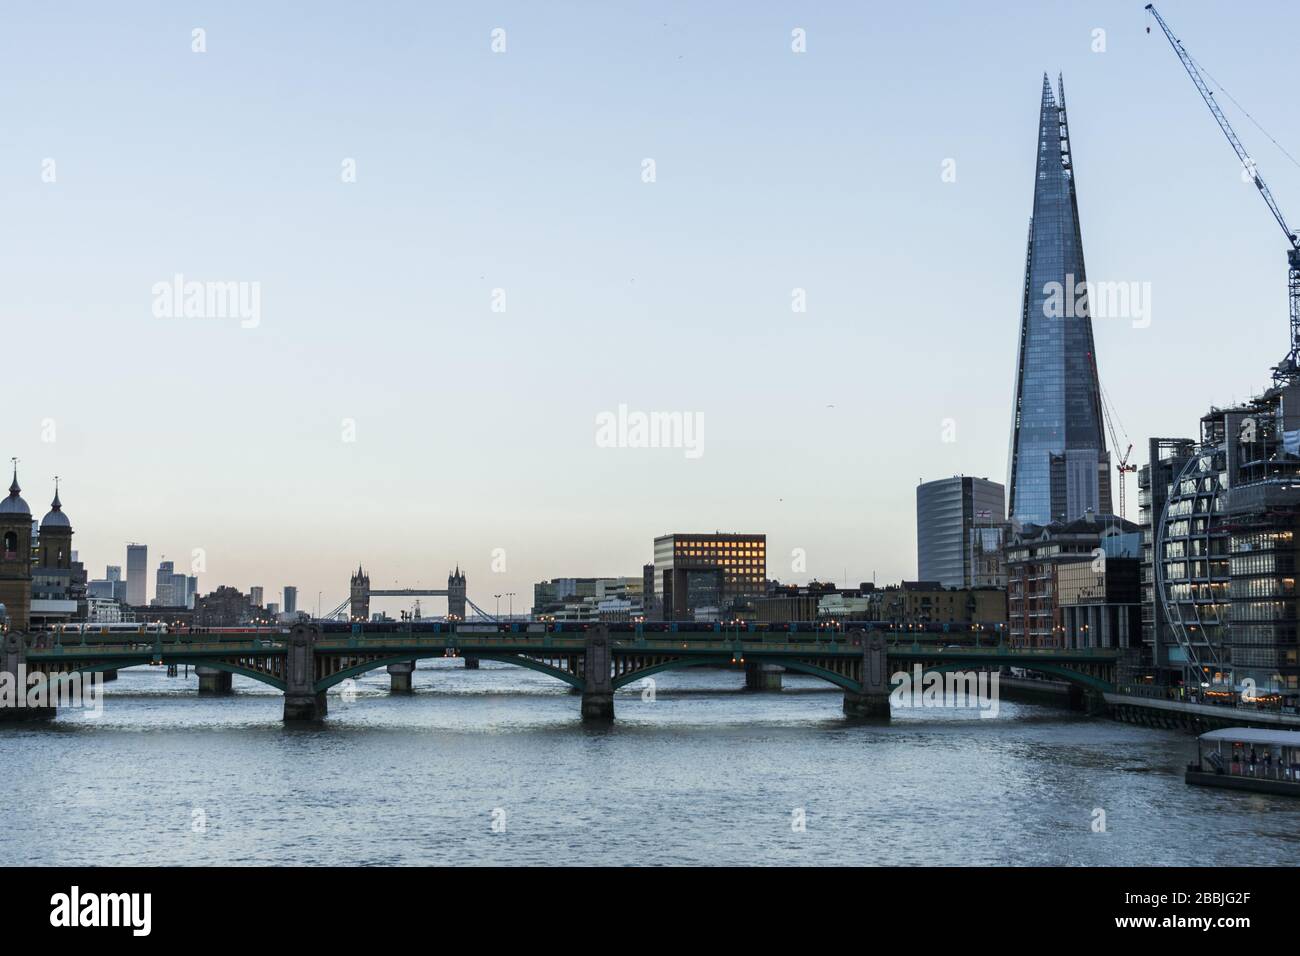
[1059, 466]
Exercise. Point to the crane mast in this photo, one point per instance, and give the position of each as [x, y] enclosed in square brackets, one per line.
[1288, 370]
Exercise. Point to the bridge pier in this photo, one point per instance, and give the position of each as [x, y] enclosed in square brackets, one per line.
[212, 680]
[13, 682]
[872, 702]
[471, 663]
[598, 691]
[302, 701]
[759, 676]
[1086, 700]
[400, 677]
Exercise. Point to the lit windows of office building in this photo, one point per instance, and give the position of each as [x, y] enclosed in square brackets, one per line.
[710, 573]
[1224, 557]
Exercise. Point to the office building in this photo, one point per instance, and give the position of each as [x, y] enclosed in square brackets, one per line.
[224, 607]
[959, 532]
[1089, 562]
[1223, 556]
[721, 573]
[137, 575]
[1059, 467]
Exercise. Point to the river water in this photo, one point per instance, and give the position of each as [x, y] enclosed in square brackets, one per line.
[494, 767]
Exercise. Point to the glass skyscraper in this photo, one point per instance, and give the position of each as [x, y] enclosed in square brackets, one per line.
[1059, 467]
[959, 520]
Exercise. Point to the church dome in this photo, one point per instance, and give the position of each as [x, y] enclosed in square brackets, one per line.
[56, 518]
[14, 504]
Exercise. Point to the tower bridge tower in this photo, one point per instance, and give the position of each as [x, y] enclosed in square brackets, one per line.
[360, 610]
[456, 595]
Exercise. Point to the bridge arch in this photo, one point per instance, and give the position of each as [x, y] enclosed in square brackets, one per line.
[839, 680]
[518, 660]
[117, 665]
[631, 677]
[1061, 671]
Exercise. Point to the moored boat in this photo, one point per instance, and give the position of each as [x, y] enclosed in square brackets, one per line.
[1246, 758]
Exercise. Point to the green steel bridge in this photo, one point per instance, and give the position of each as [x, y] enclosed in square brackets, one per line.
[305, 661]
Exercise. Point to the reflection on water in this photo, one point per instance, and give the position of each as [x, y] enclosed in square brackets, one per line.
[704, 773]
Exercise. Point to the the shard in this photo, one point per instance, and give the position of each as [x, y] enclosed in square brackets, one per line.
[1059, 467]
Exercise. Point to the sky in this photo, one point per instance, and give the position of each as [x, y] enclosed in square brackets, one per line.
[463, 260]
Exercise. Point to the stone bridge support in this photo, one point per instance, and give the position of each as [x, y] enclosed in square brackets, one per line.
[598, 691]
[213, 680]
[760, 676]
[13, 682]
[873, 701]
[302, 702]
[1087, 700]
[400, 677]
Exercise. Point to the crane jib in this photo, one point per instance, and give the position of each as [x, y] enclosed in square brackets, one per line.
[1288, 370]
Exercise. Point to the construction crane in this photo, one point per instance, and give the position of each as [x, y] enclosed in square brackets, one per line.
[1121, 466]
[1288, 370]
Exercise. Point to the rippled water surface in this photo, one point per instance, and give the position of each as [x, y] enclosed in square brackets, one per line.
[704, 773]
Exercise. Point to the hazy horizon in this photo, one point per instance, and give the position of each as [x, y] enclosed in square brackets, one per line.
[383, 410]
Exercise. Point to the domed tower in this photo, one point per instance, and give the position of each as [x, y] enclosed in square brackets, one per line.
[54, 546]
[456, 595]
[16, 557]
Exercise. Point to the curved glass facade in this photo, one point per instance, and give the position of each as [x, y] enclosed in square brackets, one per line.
[1192, 570]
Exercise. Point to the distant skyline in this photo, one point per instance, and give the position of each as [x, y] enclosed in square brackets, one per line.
[384, 410]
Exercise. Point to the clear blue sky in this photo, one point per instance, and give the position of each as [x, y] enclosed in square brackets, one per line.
[522, 171]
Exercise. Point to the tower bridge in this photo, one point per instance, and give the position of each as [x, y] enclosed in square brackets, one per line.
[307, 660]
[360, 592]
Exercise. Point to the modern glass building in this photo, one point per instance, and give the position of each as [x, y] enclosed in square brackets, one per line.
[137, 579]
[959, 528]
[1225, 553]
[1059, 467]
